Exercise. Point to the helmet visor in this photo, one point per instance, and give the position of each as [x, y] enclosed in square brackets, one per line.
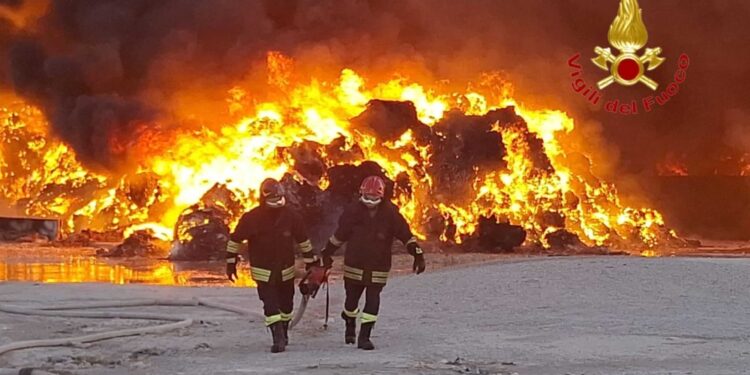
[275, 201]
[370, 200]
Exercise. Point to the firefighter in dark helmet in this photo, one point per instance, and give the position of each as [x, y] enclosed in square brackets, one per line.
[273, 232]
[369, 228]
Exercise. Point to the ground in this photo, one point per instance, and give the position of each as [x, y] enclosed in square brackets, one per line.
[536, 315]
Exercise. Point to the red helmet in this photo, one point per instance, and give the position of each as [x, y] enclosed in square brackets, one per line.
[373, 186]
[372, 190]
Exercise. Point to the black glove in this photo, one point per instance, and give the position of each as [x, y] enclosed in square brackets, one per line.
[326, 253]
[315, 263]
[232, 271]
[413, 248]
[330, 249]
[419, 265]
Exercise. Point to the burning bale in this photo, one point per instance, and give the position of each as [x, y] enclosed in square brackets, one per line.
[202, 231]
[345, 180]
[501, 236]
[467, 143]
[389, 120]
[308, 161]
[27, 229]
[142, 243]
[562, 239]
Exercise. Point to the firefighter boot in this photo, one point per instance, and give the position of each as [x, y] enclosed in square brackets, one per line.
[286, 332]
[351, 329]
[363, 342]
[277, 332]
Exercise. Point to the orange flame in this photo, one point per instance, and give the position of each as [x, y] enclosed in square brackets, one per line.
[47, 180]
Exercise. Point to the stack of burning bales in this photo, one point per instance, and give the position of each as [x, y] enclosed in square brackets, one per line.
[446, 164]
[460, 145]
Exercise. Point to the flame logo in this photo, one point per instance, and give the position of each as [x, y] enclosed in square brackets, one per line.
[628, 32]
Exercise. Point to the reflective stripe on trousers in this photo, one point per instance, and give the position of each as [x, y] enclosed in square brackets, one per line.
[264, 275]
[357, 274]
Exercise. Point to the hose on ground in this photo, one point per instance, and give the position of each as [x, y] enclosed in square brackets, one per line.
[69, 311]
[23, 371]
[65, 311]
[300, 311]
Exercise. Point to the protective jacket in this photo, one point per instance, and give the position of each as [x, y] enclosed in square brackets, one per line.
[369, 235]
[272, 234]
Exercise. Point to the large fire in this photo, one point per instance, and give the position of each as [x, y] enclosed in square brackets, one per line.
[41, 176]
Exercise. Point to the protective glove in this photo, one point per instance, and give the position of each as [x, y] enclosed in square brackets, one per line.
[419, 264]
[413, 248]
[315, 263]
[232, 271]
[326, 254]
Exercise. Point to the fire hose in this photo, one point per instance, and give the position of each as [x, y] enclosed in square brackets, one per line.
[64, 311]
[23, 371]
[309, 286]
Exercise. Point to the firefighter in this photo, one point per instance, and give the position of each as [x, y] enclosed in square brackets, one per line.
[273, 232]
[369, 228]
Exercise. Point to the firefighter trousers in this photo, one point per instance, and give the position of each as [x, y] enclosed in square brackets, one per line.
[278, 300]
[354, 291]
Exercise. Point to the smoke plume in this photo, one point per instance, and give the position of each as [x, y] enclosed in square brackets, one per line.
[108, 73]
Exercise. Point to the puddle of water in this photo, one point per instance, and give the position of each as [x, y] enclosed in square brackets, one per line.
[52, 265]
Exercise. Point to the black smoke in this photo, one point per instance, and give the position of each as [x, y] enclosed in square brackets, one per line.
[104, 70]
[11, 3]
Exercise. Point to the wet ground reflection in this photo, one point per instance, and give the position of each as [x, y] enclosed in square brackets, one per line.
[55, 265]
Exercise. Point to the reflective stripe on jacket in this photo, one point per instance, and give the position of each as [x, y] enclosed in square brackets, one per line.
[273, 235]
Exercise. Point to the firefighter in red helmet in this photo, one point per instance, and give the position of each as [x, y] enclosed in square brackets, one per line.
[369, 228]
[273, 232]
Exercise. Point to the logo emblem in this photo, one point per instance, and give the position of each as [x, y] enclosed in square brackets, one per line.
[628, 35]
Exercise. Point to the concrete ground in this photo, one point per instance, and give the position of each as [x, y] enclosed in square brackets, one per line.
[544, 315]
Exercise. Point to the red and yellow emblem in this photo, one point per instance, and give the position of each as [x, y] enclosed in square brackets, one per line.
[628, 35]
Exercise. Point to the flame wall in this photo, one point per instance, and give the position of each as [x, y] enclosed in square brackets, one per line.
[120, 81]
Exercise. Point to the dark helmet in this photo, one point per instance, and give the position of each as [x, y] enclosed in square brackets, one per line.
[272, 193]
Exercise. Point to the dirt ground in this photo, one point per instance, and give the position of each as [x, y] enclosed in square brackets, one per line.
[511, 315]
